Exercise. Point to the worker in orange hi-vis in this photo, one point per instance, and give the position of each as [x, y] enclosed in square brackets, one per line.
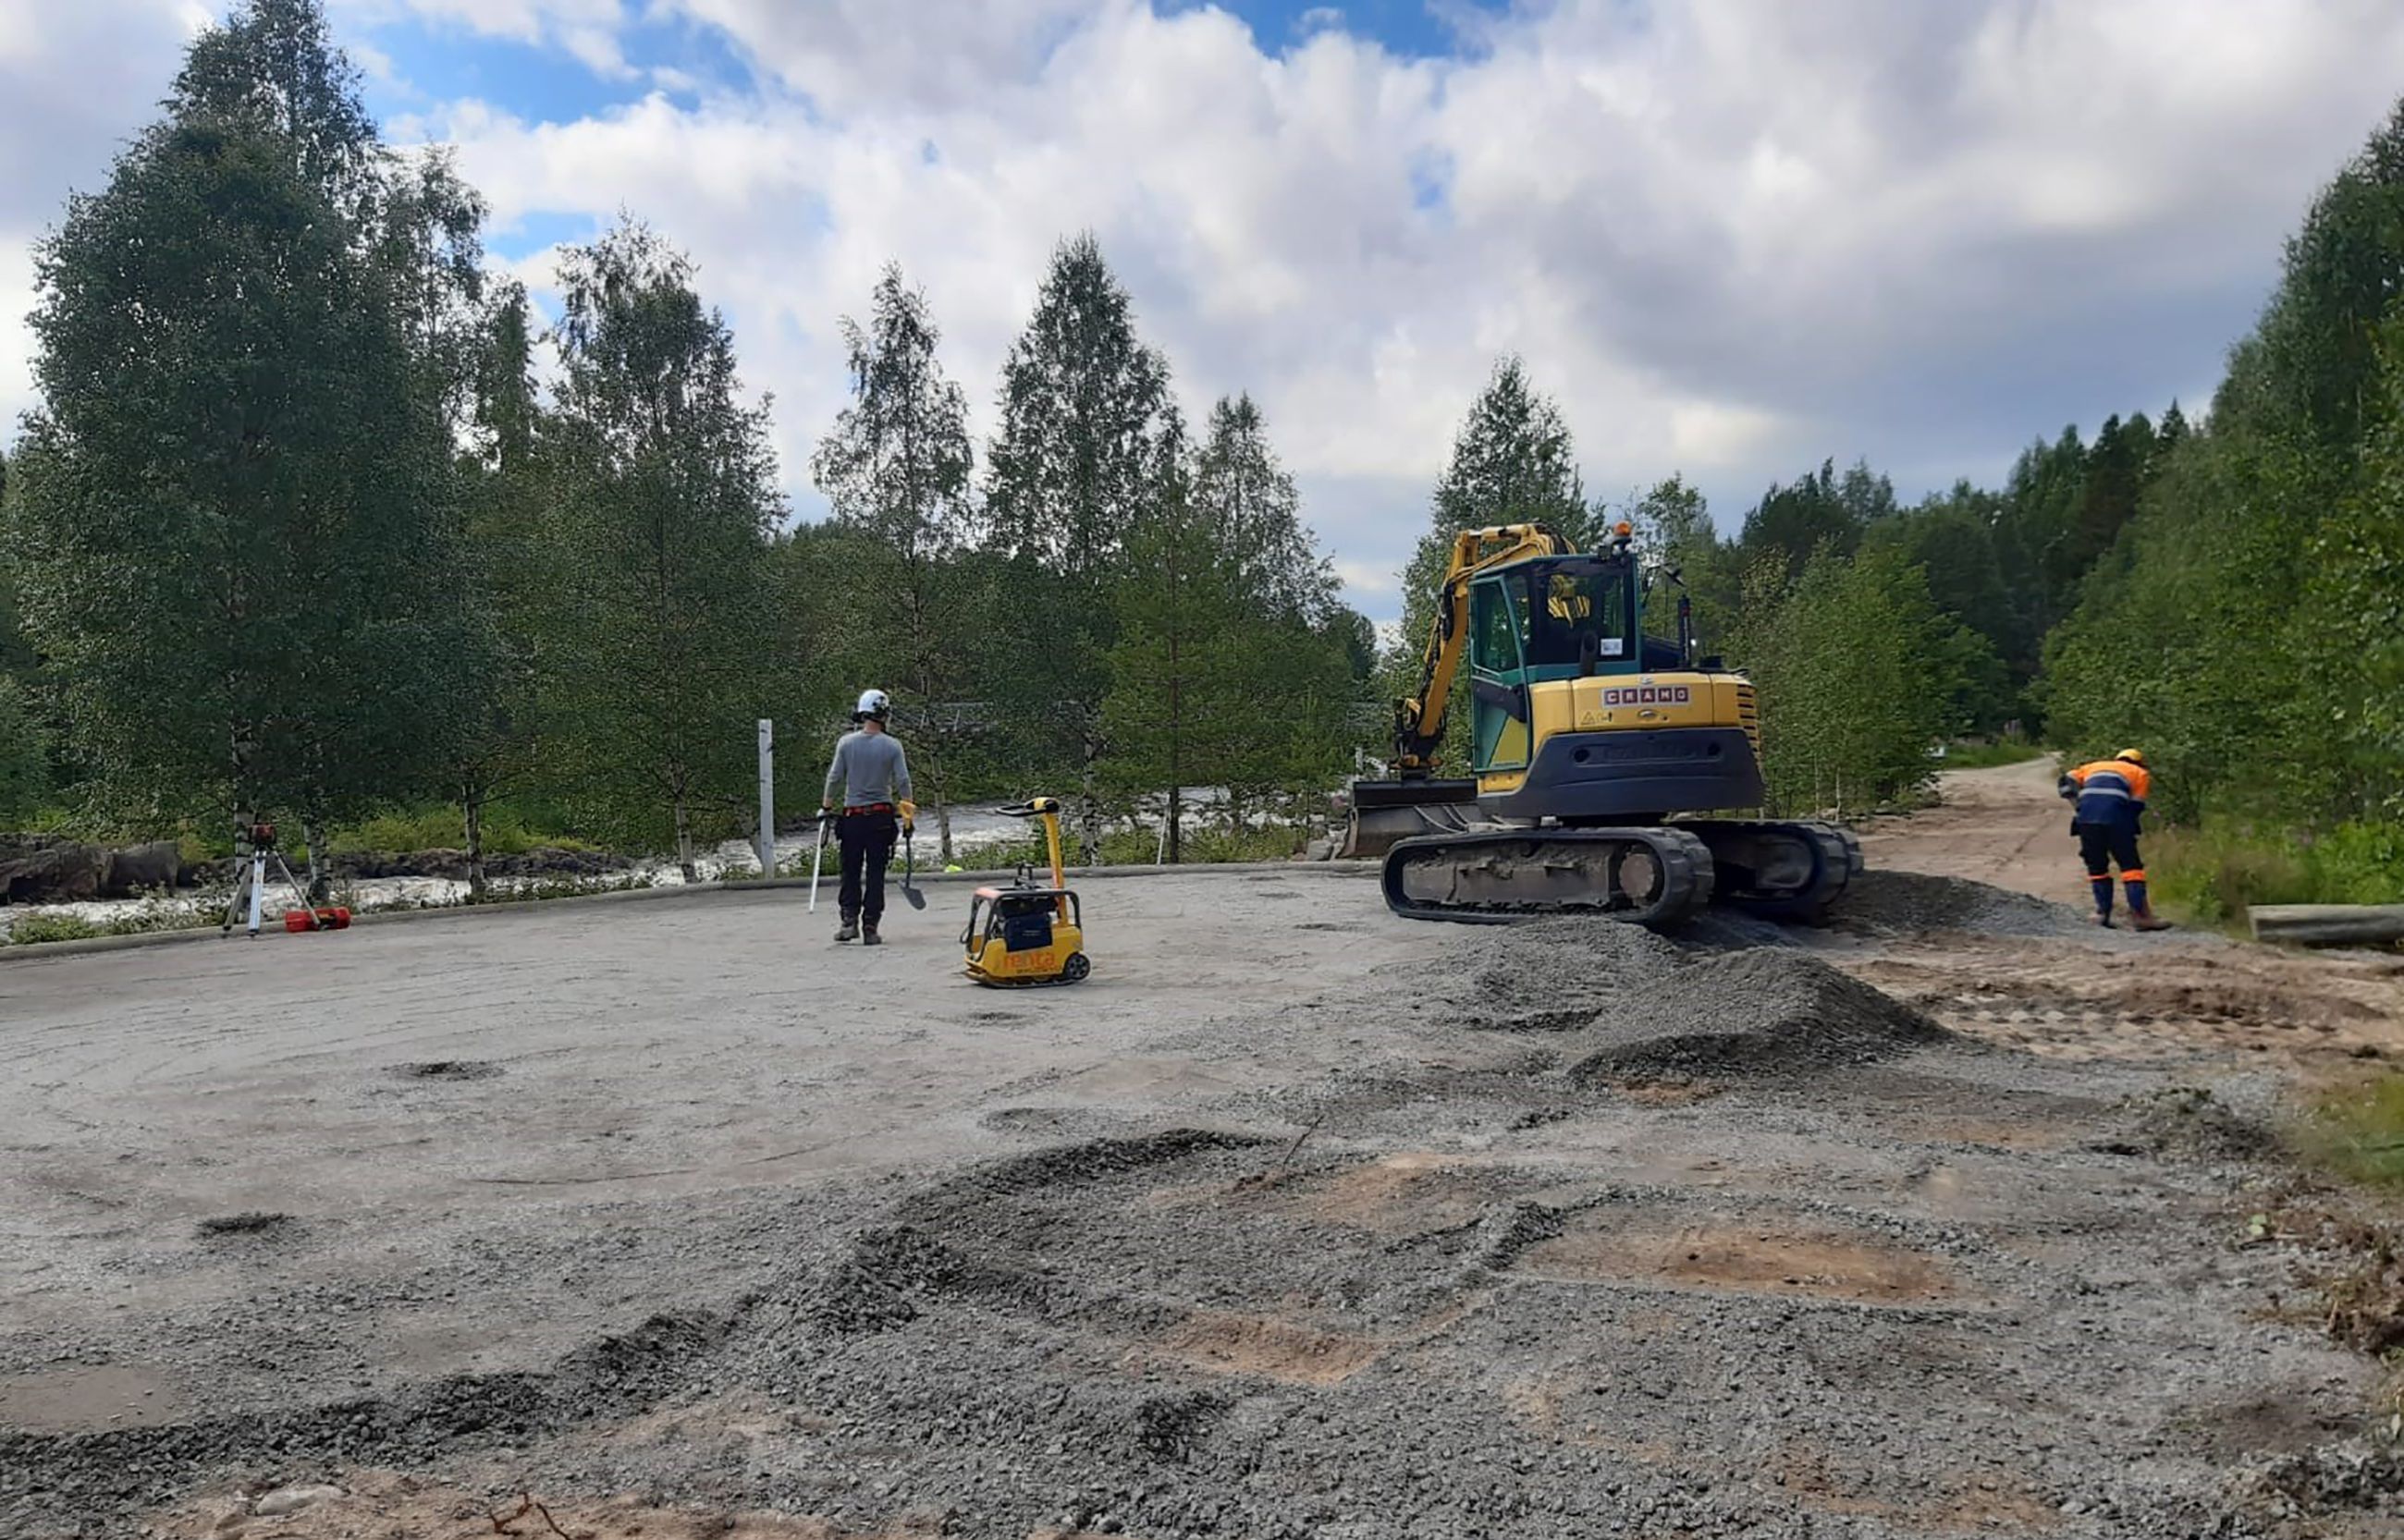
[2109, 795]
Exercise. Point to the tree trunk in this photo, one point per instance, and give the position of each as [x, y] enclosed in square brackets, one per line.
[942, 804]
[684, 842]
[472, 806]
[1176, 825]
[2327, 925]
[312, 831]
[1089, 811]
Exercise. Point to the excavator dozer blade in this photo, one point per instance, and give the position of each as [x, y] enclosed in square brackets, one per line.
[1382, 813]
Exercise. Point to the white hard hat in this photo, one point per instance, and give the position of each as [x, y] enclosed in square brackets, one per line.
[873, 703]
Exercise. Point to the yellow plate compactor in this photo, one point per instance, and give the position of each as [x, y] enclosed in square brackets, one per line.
[1028, 933]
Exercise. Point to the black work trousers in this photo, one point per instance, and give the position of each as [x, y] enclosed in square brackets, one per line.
[866, 841]
[2102, 846]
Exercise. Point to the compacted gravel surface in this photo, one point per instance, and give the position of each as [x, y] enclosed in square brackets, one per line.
[1295, 1221]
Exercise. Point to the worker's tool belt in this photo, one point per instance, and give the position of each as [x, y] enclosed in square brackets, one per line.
[868, 807]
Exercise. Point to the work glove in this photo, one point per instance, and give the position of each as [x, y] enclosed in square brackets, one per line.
[825, 811]
[909, 815]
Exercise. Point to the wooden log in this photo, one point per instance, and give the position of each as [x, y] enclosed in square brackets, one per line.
[2327, 925]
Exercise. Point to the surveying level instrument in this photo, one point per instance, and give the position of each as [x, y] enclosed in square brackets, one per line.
[254, 848]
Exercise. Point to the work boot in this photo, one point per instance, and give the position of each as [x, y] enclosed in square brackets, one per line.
[2147, 922]
[868, 936]
[850, 931]
[2105, 921]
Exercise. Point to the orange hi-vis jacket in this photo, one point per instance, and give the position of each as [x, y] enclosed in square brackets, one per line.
[2108, 791]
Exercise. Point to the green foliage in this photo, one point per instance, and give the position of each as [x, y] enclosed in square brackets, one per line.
[2244, 626]
[436, 827]
[1822, 511]
[667, 501]
[2211, 872]
[1231, 668]
[1855, 668]
[1090, 445]
[895, 469]
[25, 760]
[236, 559]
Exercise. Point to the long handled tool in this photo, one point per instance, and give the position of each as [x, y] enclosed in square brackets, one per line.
[818, 860]
[909, 866]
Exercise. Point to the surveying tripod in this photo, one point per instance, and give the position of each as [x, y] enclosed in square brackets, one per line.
[253, 847]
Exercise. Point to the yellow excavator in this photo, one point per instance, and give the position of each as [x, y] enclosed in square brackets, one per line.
[1594, 750]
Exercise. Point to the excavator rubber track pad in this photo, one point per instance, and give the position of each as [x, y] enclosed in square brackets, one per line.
[1780, 870]
[1655, 877]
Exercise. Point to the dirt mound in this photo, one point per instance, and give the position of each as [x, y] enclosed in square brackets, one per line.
[2188, 1122]
[1908, 902]
[1751, 1011]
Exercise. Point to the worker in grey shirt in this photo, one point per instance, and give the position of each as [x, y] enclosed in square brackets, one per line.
[872, 776]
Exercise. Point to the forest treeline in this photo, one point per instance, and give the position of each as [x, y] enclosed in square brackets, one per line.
[318, 520]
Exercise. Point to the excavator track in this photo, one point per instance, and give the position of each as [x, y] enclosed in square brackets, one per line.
[1657, 876]
[1780, 870]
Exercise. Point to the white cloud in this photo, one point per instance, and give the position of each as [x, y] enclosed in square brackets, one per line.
[1731, 236]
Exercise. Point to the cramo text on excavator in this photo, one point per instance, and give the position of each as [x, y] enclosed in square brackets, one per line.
[1593, 747]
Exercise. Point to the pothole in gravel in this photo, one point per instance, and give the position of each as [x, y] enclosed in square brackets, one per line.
[1603, 1246]
[448, 1069]
[251, 1224]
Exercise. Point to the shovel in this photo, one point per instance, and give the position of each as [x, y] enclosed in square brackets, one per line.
[910, 865]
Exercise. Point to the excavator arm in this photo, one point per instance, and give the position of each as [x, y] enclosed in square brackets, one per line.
[1419, 717]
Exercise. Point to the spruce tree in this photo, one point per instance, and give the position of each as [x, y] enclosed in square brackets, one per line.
[1088, 444]
[1513, 463]
[895, 470]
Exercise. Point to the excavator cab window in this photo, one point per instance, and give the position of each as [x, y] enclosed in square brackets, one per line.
[1572, 601]
[1495, 632]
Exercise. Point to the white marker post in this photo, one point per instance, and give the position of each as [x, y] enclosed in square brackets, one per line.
[767, 797]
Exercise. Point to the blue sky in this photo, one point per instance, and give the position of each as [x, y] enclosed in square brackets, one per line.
[1732, 238]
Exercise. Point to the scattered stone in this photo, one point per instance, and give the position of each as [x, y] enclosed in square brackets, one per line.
[283, 1501]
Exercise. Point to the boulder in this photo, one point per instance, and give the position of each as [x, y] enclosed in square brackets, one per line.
[53, 872]
[141, 869]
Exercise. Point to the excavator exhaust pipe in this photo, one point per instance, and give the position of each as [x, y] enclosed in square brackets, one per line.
[1380, 814]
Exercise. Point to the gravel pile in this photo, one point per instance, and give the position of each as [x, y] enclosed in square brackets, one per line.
[1890, 903]
[1751, 1012]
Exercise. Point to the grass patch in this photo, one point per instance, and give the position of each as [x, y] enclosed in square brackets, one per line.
[441, 826]
[2211, 873]
[2358, 1130]
[1989, 755]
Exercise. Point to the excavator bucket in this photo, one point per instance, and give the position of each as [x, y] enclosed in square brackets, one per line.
[1379, 813]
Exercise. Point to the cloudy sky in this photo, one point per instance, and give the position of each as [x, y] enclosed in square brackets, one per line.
[1732, 237]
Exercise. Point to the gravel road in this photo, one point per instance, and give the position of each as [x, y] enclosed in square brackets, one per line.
[1296, 1221]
